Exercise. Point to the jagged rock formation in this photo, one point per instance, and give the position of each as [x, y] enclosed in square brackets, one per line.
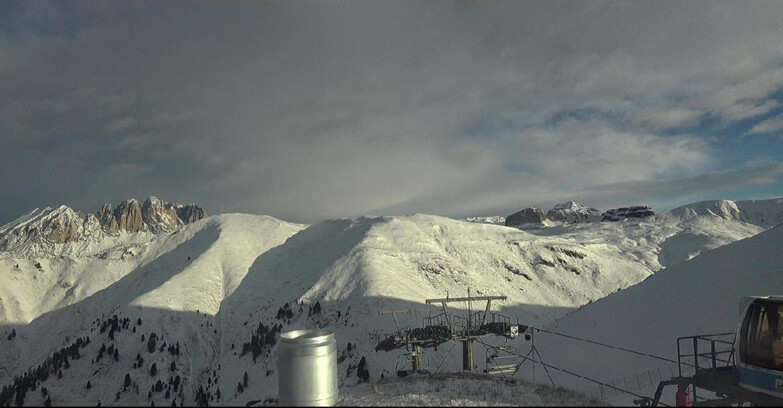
[128, 216]
[62, 229]
[61, 226]
[530, 215]
[153, 215]
[106, 218]
[636, 211]
[159, 216]
[568, 212]
[190, 213]
[56, 226]
[573, 212]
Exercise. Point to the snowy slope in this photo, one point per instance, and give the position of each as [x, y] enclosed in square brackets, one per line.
[210, 285]
[764, 213]
[463, 389]
[699, 296]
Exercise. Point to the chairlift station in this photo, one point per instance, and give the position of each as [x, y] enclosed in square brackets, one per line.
[734, 368]
[446, 326]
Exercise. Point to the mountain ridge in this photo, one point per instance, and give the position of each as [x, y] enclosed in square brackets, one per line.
[216, 284]
[65, 231]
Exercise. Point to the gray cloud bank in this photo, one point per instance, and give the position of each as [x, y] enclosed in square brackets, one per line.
[312, 110]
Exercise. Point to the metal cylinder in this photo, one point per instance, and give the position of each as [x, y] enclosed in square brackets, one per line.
[307, 368]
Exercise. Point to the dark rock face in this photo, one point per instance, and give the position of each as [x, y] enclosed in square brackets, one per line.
[526, 216]
[573, 212]
[636, 211]
[569, 212]
[106, 218]
[191, 213]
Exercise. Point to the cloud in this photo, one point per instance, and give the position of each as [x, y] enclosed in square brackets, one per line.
[121, 124]
[307, 110]
[770, 125]
[662, 119]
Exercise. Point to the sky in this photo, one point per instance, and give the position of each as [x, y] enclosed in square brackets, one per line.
[313, 110]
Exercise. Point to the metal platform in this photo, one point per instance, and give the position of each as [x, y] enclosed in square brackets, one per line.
[713, 372]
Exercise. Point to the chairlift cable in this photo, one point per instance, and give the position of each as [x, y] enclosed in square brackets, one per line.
[545, 365]
[598, 382]
[607, 345]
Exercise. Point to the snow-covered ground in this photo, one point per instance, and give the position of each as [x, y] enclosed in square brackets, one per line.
[699, 296]
[492, 219]
[213, 284]
[460, 390]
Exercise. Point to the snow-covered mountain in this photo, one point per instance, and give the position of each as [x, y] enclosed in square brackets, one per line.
[764, 213]
[217, 290]
[569, 212]
[572, 212]
[64, 231]
[696, 297]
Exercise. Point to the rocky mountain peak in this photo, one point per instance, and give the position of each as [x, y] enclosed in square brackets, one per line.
[43, 231]
[190, 213]
[530, 215]
[160, 216]
[63, 224]
[568, 205]
[573, 212]
[128, 216]
[106, 218]
[152, 215]
[567, 212]
[49, 226]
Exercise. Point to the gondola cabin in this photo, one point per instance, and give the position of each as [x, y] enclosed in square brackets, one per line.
[759, 355]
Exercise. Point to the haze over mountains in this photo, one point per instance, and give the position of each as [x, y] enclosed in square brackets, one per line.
[217, 285]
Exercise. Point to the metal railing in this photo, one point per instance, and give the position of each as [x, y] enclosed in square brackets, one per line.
[705, 352]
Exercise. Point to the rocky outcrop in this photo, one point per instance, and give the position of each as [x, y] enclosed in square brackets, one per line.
[573, 212]
[619, 214]
[42, 231]
[64, 225]
[159, 216]
[48, 226]
[128, 216]
[190, 213]
[531, 215]
[106, 218]
[153, 215]
[569, 212]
